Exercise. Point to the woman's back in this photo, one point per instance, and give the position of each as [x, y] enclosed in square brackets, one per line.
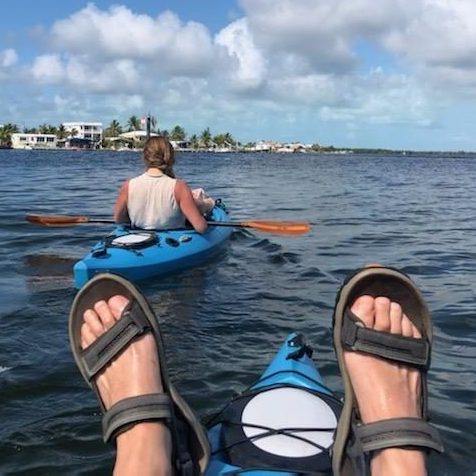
[156, 200]
[151, 202]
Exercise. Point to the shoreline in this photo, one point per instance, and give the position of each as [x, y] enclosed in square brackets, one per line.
[322, 151]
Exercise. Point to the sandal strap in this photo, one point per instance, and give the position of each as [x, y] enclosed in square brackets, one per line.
[396, 433]
[131, 324]
[129, 411]
[408, 350]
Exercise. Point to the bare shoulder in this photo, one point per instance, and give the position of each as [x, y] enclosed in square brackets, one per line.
[181, 187]
[181, 183]
[124, 186]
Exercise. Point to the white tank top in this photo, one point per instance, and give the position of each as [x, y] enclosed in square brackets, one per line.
[151, 203]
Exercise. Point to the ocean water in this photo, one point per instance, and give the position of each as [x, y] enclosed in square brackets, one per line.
[223, 321]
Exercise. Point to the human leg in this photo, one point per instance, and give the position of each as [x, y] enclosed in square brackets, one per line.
[384, 389]
[146, 447]
[383, 337]
[117, 344]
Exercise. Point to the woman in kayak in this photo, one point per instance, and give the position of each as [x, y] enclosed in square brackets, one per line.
[133, 372]
[156, 199]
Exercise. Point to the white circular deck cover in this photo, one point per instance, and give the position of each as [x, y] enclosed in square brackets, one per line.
[289, 407]
[131, 239]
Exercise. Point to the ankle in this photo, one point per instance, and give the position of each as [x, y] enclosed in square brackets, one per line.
[398, 462]
[144, 449]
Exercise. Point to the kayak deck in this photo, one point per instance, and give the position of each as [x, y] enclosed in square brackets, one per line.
[283, 424]
[164, 252]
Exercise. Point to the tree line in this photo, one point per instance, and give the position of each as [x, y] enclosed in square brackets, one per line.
[177, 133]
[114, 129]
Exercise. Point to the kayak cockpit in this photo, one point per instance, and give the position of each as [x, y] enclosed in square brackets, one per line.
[284, 423]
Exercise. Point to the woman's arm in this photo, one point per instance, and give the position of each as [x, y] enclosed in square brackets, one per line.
[121, 214]
[184, 197]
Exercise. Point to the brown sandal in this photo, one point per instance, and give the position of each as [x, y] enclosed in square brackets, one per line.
[354, 441]
[190, 443]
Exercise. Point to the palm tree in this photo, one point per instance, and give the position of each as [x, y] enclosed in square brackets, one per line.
[219, 140]
[224, 140]
[6, 134]
[113, 130]
[178, 134]
[5, 138]
[44, 129]
[229, 139]
[194, 142]
[133, 123]
[61, 132]
[206, 137]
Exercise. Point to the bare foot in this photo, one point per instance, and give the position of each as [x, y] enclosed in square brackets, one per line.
[384, 389]
[146, 447]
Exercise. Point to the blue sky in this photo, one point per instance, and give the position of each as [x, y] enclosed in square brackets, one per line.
[355, 73]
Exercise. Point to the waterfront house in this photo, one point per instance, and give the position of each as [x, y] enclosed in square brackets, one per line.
[33, 141]
[88, 133]
[181, 145]
[138, 138]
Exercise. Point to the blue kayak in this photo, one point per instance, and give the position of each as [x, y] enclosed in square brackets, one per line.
[140, 254]
[282, 425]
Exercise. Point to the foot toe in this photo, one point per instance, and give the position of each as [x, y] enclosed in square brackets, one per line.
[92, 320]
[382, 314]
[363, 308]
[395, 318]
[407, 327]
[105, 314]
[87, 335]
[117, 305]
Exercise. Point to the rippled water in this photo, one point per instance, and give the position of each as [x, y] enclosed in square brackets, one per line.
[223, 321]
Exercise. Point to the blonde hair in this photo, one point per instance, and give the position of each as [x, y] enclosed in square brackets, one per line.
[159, 154]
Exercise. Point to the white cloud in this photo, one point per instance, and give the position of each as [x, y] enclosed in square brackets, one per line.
[75, 106]
[440, 42]
[433, 38]
[381, 99]
[118, 33]
[247, 65]
[318, 31]
[115, 76]
[305, 89]
[48, 69]
[442, 33]
[178, 93]
[8, 58]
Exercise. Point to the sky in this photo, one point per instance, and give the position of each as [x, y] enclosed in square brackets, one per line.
[397, 74]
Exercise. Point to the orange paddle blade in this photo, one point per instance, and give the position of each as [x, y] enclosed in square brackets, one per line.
[278, 227]
[56, 220]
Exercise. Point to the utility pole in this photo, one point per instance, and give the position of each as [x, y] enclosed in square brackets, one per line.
[148, 126]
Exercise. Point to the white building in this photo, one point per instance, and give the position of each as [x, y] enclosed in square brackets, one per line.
[262, 146]
[91, 131]
[137, 135]
[33, 141]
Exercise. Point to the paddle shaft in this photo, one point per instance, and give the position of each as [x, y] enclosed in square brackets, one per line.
[211, 223]
[107, 220]
[266, 226]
